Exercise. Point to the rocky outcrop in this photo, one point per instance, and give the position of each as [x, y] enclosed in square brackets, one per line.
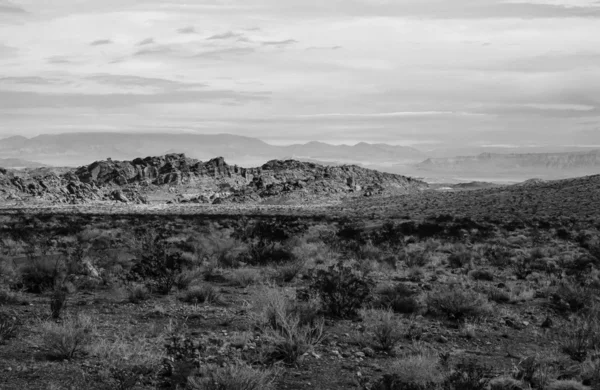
[176, 178]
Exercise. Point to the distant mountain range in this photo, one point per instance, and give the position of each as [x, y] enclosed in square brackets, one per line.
[17, 163]
[74, 149]
[561, 164]
[480, 163]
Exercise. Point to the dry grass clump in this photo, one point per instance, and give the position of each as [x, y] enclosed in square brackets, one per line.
[8, 327]
[399, 298]
[567, 385]
[418, 372]
[66, 339]
[457, 303]
[291, 329]
[231, 377]
[203, 294]
[138, 293]
[384, 328]
[245, 277]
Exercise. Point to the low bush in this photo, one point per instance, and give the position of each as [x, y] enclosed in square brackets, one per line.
[40, 275]
[67, 339]
[419, 372]
[580, 337]
[159, 270]
[498, 295]
[505, 383]
[245, 277]
[460, 256]
[138, 293]
[468, 375]
[384, 328]
[456, 303]
[8, 297]
[567, 385]
[482, 274]
[342, 289]
[58, 301]
[8, 327]
[231, 377]
[398, 298]
[203, 294]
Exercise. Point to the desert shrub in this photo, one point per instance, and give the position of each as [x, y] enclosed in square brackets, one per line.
[532, 371]
[8, 297]
[138, 293]
[569, 297]
[291, 330]
[415, 256]
[567, 385]
[456, 303]
[384, 328]
[245, 277]
[285, 273]
[202, 294]
[419, 372]
[218, 247]
[482, 274]
[8, 327]
[497, 255]
[579, 338]
[342, 289]
[66, 339]
[498, 295]
[185, 278]
[158, 269]
[468, 375]
[269, 241]
[590, 372]
[231, 377]
[314, 253]
[460, 256]
[40, 275]
[58, 301]
[398, 298]
[505, 383]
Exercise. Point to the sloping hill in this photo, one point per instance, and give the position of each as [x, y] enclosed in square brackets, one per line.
[176, 178]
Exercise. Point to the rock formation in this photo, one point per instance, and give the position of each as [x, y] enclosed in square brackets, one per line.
[176, 178]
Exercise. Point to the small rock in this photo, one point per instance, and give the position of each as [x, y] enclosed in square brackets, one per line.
[360, 354]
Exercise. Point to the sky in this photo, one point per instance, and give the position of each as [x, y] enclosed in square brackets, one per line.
[407, 72]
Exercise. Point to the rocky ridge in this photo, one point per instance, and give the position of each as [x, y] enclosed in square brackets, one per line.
[175, 178]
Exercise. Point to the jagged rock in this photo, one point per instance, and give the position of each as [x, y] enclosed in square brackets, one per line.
[213, 181]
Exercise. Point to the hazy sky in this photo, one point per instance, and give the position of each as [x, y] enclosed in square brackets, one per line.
[399, 71]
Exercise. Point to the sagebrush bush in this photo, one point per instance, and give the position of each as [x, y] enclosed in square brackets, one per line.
[342, 289]
[285, 273]
[385, 329]
[419, 372]
[460, 256]
[230, 377]
[245, 277]
[399, 298]
[40, 275]
[505, 383]
[8, 327]
[66, 339]
[159, 269]
[482, 274]
[203, 294]
[498, 295]
[567, 385]
[138, 293]
[457, 303]
[292, 329]
[581, 337]
[8, 297]
[468, 375]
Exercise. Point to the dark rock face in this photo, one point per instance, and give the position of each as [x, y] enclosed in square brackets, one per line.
[191, 181]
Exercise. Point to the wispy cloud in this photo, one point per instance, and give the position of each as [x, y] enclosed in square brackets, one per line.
[187, 30]
[226, 35]
[101, 42]
[285, 42]
[10, 8]
[147, 41]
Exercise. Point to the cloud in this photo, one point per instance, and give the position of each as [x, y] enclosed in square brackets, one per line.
[101, 42]
[280, 43]
[187, 30]
[31, 80]
[30, 100]
[9, 8]
[138, 81]
[147, 41]
[156, 50]
[226, 35]
[227, 52]
[337, 47]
